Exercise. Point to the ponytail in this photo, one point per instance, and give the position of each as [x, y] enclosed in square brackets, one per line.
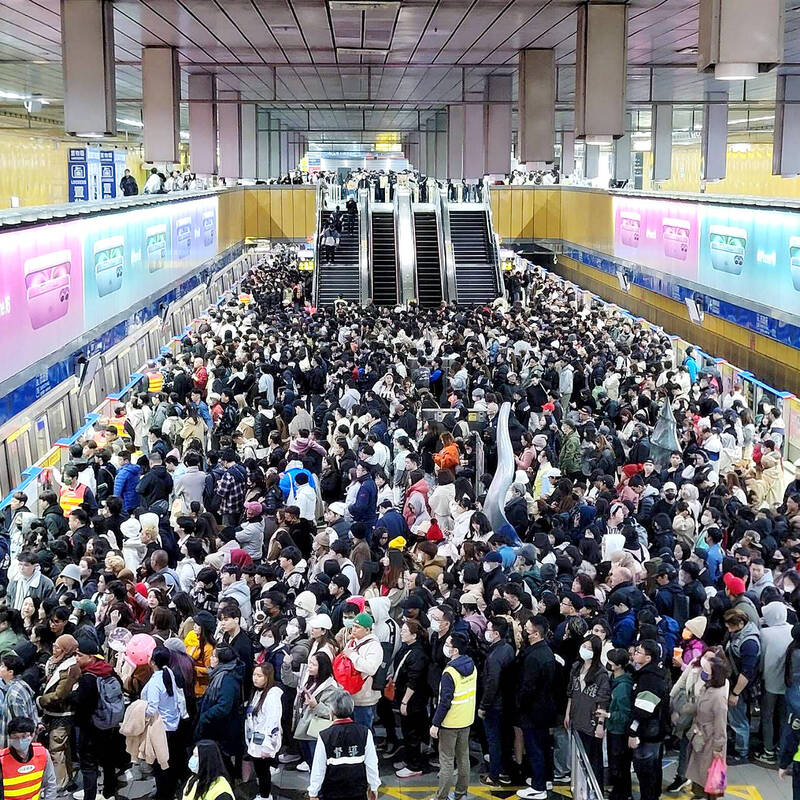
[160, 658]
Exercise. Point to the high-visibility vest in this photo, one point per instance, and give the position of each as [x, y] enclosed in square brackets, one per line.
[220, 786]
[71, 497]
[22, 780]
[462, 710]
[155, 382]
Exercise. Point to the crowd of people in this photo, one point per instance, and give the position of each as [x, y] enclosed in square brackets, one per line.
[281, 546]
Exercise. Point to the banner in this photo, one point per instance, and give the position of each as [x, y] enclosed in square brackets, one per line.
[60, 281]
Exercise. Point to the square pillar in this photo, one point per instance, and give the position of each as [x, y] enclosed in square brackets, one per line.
[661, 142]
[87, 48]
[247, 116]
[161, 97]
[442, 150]
[431, 135]
[498, 125]
[203, 124]
[262, 144]
[455, 144]
[283, 155]
[274, 147]
[622, 154]
[591, 160]
[567, 152]
[714, 141]
[230, 131]
[474, 156]
[537, 106]
[785, 152]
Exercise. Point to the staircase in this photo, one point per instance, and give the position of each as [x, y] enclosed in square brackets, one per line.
[341, 277]
[429, 275]
[476, 271]
[384, 260]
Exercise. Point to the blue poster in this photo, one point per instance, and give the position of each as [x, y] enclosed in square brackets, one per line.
[77, 177]
[108, 184]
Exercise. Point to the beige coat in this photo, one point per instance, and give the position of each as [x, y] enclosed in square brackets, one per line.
[708, 734]
[145, 739]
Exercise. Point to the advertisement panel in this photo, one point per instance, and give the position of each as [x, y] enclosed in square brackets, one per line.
[752, 253]
[60, 281]
[657, 234]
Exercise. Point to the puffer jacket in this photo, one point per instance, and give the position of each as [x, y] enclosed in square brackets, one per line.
[366, 656]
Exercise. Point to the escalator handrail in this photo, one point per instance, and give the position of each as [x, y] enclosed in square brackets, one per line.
[437, 212]
[416, 260]
[364, 246]
[493, 249]
[317, 232]
[449, 253]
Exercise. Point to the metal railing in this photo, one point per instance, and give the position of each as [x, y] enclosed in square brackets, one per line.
[585, 785]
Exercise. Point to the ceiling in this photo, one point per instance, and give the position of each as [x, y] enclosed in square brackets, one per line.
[327, 65]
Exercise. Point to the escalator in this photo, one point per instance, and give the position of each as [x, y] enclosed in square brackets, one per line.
[384, 260]
[341, 277]
[429, 273]
[476, 270]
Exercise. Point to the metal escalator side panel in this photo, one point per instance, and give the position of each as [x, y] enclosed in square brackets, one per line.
[498, 275]
[448, 261]
[320, 205]
[404, 249]
[448, 291]
[365, 246]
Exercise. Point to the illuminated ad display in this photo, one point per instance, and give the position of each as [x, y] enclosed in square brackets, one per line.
[753, 254]
[57, 282]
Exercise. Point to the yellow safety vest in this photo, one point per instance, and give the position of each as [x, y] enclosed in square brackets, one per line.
[220, 786]
[155, 382]
[71, 498]
[462, 710]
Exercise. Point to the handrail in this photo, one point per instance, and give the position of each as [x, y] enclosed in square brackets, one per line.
[498, 276]
[443, 277]
[364, 247]
[584, 782]
[405, 256]
[414, 251]
[449, 253]
[320, 203]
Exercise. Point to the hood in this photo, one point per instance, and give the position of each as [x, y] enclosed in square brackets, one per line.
[464, 665]
[764, 580]
[379, 608]
[649, 491]
[27, 652]
[774, 613]
[420, 486]
[99, 668]
[237, 589]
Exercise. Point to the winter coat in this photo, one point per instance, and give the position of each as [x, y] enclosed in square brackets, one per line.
[322, 694]
[411, 672]
[251, 537]
[219, 715]
[440, 500]
[54, 700]
[240, 592]
[155, 486]
[708, 734]
[569, 455]
[365, 507]
[448, 457]
[189, 487]
[494, 675]
[145, 737]
[128, 476]
[537, 677]
[366, 655]
[775, 639]
[262, 728]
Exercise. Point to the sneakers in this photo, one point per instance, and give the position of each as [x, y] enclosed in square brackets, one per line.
[505, 780]
[288, 758]
[487, 780]
[405, 772]
[303, 767]
[562, 779]
[532, 794]
[767, 757]
[734, 760]
[392, 749]
[678, 784]
[399, 764]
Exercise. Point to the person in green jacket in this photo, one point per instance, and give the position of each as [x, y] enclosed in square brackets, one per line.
[11, 630]
[619, 718]
[569, 450]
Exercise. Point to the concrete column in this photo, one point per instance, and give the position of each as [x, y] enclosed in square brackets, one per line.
[413, 148]
[229, 126]
[247, 115]
[498, 126]
[274, 147]
[262, 144]
[431, 136]
[474, 157]
[442, 139]
[567, 152]
[661, 142]
[601, 72]
[591, 160]
[87, 47]
[284, 152]
[622, 153]
[455, 144]
[537, 106]
[714, 141]
[161, 96]
[203, 124]
[785, 153]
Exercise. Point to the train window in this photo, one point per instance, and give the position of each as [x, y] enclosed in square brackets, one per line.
[16, 460]
[41, 436]
[111, 378]
[56, 421]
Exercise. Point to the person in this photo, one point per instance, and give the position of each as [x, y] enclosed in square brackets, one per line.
[329, 240]
[365, 653]
[345, 765]
[646, 730]
[352, 209]
[618, 719]
[97, 694]
[153, 184]
[313, 703]
[454, 715]
[128, 184]
[26, 767]
[30, 583]
[165, 698]
[708, 736]
[263, 727]
[209, 778]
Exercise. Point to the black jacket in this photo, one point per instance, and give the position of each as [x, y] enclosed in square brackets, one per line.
[155, 486]
[495, 672]
[650, 704]
[411, 666]
[537, 678]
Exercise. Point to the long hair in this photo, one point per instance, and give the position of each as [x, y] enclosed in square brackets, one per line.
[160, 658]
[210, 768]
[269, 675]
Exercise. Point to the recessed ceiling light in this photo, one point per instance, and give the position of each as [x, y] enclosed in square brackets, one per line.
[364, 51]
[687, 51]
[362, 5]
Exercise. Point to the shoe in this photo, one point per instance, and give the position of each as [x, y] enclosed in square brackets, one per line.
[532, 794]
[288, 758]
[678, 784]
[736, 761]
[399, 765]
[303, 767]
[487, 780]
[405, 772]
[133, 773]
[562, 780]
[434, 762]
[548, 785]
[273, 771]
[767, 757]
[505, 780]
[392, 749]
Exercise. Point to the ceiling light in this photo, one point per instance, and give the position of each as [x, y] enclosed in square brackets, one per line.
[89, 135]
[735, 71]
[185, 136]
[687, 51]
[364, 51]
[599, 139]
[362, 5]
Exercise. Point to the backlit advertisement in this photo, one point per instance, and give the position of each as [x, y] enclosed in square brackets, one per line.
[657, 234]
[752, 254]
[59, 281]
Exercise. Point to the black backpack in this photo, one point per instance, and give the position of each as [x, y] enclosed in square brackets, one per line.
[381, 677]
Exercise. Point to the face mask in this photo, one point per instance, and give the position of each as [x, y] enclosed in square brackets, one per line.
[292, 631]
[267, 641]
[194, 764]
[585, 653]
[706, 519]
[301, 612]
[435, 625]
[447, 652]
[348, 622]
[489, 636]
[21, 745]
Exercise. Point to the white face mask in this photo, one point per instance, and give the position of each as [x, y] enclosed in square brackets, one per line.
[435, 625]
[267, 641]
[488, 566]
[489, 636]
[585, 653]
[447, 652]
[292, 631]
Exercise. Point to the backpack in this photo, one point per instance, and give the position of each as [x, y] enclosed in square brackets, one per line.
[381, 677]
[423, 379]
[110, 704]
